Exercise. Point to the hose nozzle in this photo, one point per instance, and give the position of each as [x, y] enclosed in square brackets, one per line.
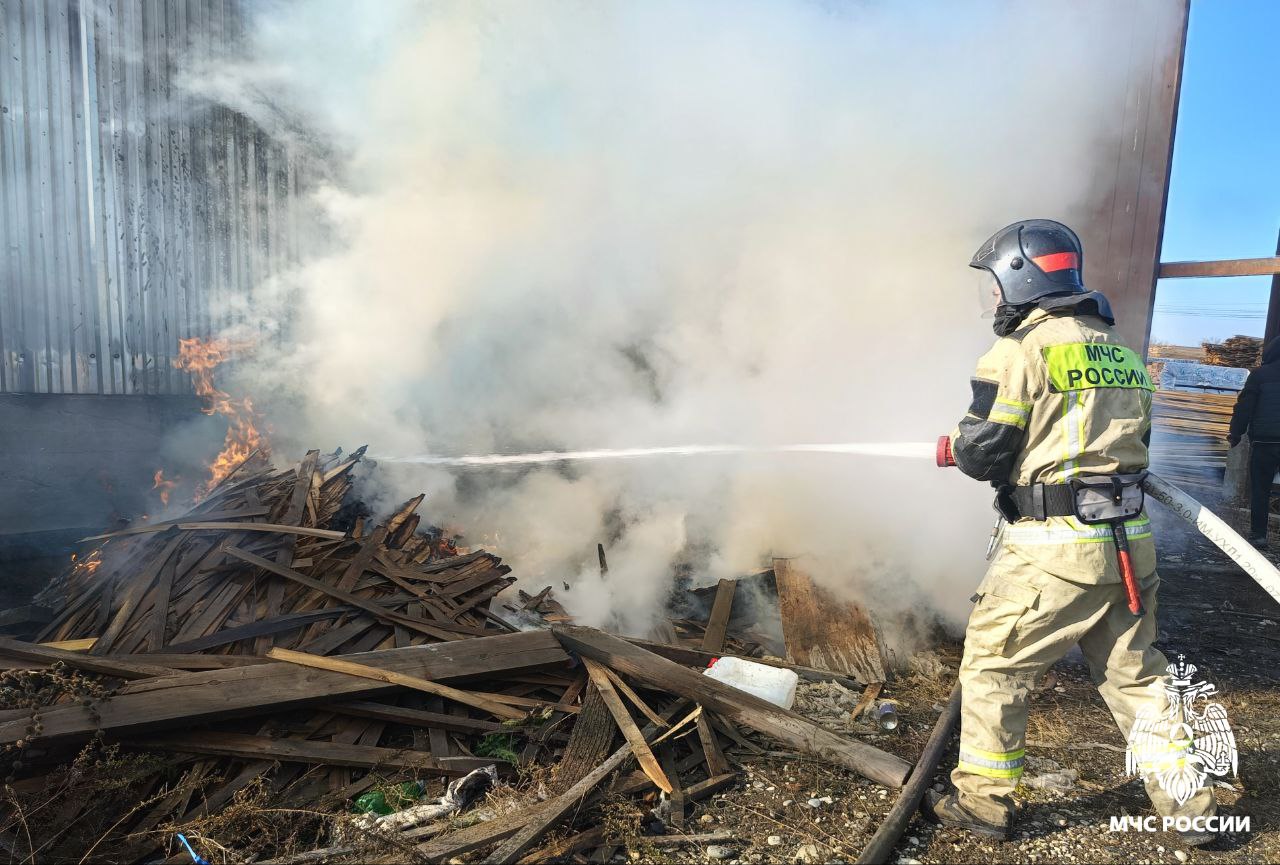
[945, 457]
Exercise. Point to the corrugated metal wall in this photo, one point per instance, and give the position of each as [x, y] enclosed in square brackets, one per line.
[129, 212]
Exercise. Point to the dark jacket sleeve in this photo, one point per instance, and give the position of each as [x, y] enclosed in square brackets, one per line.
[1246, 406]
[983, 448]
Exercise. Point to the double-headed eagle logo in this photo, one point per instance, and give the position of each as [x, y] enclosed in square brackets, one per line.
[1181, 738]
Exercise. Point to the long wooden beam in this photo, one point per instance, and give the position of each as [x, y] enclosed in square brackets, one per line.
[1226, 267]
[182, 700]
[746, 709]
[392, 677]
[220, 526]
[45, 655]
[250, 747]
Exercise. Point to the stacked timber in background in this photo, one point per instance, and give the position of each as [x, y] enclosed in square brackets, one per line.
[1244, 352]
[243, 673]
[1188, 436]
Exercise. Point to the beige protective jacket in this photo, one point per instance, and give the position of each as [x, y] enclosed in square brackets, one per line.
[1060, 397]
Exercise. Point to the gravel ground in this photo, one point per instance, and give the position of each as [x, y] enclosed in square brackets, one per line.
[789, 809]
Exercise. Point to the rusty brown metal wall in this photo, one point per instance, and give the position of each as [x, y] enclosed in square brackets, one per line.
[1122, 240]
[129, 212]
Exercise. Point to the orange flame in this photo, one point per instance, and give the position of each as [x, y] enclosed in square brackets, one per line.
[200, 357]
[88, 565]
[164, 485]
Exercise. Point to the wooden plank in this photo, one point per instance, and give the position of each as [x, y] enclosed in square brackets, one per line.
[391, 677]
[244, 691]
[287, 622]
[133, 595]
[220, 526]
[27, 615]
[535, 600]
[667, 758]
[744, 708]
[716, 762]
[1225, 267]
[45, 655]
[160, 613]
[511, 850]
[191, 662]
[710, 787]
[81, 645]
[822, 631]
[437, 738]
[634, 698]
[644, 756]
[413, 717]
[377, 610]
[250, 747]
[718, 621]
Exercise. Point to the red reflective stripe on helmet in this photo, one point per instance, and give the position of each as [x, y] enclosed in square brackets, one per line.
[1057, 261]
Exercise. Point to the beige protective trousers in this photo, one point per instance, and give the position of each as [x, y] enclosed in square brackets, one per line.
[1026, 620]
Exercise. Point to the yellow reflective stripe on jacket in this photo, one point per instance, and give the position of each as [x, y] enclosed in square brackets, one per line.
[1072, 434]
[1011, 412]
[1071, 532]
[992, 764]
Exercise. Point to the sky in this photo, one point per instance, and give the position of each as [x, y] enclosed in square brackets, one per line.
[1224, 191]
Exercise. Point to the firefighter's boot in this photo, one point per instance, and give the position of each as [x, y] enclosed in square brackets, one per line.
[946, 810]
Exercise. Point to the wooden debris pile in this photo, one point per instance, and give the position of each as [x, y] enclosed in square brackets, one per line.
[272, 654]
[1244, 352]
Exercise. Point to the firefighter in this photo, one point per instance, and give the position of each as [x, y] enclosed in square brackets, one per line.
[1058, 397]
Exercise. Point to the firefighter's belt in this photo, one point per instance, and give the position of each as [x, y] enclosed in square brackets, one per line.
[1041, 501]
[1093, 499]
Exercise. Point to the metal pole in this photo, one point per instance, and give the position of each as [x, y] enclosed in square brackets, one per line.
[880, 846]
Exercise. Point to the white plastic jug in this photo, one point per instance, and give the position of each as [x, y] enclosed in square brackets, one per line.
[774, 684]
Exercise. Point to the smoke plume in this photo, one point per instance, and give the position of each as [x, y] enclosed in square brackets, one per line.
[580, 225]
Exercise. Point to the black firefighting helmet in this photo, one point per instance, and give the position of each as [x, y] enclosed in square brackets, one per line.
[1033, 259]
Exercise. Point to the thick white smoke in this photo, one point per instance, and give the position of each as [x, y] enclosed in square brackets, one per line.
[575, 225]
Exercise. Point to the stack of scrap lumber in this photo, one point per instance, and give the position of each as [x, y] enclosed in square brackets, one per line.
[1188, 437]
[244, 673]
[1244, 352]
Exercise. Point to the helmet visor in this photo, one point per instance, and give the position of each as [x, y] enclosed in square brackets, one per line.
[987, 289]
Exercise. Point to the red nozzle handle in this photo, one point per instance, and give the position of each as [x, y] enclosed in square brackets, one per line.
[945, 458]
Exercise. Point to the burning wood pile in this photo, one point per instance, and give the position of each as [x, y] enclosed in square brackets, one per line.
[237, 678]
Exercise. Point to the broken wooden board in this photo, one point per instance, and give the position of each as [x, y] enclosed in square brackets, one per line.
[822, 631]
[630, 732]
[718, 621]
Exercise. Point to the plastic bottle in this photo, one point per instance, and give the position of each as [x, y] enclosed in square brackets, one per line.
[774, 684]
[387, 800]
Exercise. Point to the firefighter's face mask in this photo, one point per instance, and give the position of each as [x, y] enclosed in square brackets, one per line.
[988, 290]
